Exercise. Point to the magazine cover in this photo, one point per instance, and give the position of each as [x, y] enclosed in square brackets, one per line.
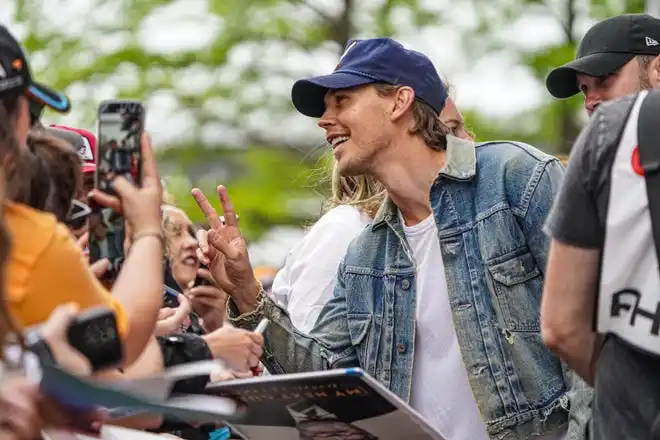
[337, 404]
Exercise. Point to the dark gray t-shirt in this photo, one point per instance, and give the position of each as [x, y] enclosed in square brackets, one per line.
[627, 384]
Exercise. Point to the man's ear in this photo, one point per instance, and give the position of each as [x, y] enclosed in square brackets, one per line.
[404, 98]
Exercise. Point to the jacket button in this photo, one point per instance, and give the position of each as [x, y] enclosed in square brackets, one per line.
[405, 284]
[401, 348]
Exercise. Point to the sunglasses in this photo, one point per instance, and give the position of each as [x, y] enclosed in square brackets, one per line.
[78, 215]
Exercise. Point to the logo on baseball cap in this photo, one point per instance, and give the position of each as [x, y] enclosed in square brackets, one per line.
[607, 47]
[369, 61]
[15, 76]
[83, 141]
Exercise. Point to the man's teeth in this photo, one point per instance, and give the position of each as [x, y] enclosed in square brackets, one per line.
[338, 140]
[190, 260]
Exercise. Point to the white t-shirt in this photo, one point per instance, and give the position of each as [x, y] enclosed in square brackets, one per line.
[307, 280]
[440, 390]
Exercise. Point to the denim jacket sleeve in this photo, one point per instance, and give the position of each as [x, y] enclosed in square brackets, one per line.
[287, 350]
[540, 193]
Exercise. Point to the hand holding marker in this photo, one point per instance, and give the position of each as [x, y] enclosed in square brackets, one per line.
[260, 329]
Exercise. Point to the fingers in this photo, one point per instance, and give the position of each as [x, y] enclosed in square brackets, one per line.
[206, 207]
[174, 320]
[122, 187]
[252, 361]
[201, 257]
[165, 313]
[241, 374]
[106, 200]
[205, 292]
[128, 235]
[216, 241]
[59, 321]
[22, 415]
[184, 305]
[207, 301]
[227, 207]
[204, 253]
[83, 241]
[206, 274]
[149, 166]
[99, 267]
[257, 338]
[256, 348]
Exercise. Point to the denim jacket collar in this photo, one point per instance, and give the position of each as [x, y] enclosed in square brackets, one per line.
[460, 164]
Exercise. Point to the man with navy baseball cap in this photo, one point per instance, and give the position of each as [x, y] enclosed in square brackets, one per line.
[377, 60]
[438, 299]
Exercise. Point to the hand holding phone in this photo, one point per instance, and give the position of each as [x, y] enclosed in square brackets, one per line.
[200, 280]
[127, 167]
[92, 333]
[119, 154]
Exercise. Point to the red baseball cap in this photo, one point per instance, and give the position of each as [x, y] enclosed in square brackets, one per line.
[83, 141]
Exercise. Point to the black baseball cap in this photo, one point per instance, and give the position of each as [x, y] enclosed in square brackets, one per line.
[369, 61]
[606, 48]
[15, 76]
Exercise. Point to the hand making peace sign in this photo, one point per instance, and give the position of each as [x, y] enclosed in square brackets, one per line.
[225, 249]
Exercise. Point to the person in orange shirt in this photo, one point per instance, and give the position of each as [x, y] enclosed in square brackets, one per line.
[45, 266]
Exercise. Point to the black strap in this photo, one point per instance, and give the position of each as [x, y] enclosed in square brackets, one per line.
[648, 143]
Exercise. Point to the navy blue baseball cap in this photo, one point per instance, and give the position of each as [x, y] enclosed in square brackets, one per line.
[15, 77]
[381, 60]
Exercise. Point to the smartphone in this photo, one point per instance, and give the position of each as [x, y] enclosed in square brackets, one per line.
[93, 332]
[119, 130]
[199, 281]
[170, 298]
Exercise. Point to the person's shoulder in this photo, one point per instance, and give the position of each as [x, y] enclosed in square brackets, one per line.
[31, 229]
[510, 153]
[345, 215]
[339, 224]
[32, 233]
[512, 162]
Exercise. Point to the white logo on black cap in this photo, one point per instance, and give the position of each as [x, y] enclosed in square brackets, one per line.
[651, 42]
[3, 72]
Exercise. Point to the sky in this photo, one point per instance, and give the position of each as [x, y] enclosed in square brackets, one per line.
[494, 84]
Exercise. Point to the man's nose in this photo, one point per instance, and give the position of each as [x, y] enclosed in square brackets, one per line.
[327, 120]
[591, 102]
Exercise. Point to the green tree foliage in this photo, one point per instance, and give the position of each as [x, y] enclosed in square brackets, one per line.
[556, 124]
[233, 88]
[267, 173]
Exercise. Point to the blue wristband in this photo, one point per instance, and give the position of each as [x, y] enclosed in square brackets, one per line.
[220, 434]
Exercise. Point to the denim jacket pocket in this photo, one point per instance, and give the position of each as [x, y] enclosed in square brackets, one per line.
[359, 325]
[514, 282]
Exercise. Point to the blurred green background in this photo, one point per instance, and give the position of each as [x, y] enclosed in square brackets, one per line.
[230, 85]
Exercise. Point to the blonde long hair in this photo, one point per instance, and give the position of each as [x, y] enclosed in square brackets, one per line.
[363, 192]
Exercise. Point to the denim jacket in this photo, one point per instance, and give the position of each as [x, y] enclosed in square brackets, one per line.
[489, 204]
